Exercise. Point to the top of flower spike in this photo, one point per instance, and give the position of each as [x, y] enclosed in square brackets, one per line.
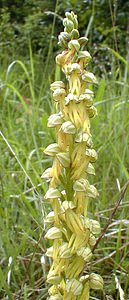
[70, 31]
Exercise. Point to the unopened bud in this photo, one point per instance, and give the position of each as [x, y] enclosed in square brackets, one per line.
[69, 26]
[74, 34]
[74, 45]
[83, 41]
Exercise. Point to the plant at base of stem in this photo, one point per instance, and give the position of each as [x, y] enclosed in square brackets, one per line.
[72, 233]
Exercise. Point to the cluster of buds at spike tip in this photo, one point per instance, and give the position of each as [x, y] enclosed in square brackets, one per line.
[72, 233]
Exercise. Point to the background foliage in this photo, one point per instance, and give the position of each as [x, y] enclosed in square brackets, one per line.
[28, 46]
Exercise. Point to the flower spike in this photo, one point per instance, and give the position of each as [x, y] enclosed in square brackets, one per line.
[72, 234]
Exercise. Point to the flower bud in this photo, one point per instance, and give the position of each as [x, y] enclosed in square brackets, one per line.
[52, 194]
[74, 34]
[69, 26]
[64, 37]
[74, 286]
[92, 154]
[64, 159]
[89, 77]
[53, 278]
[74, 45]
[68, 15]
[68, 127]
[52, 149]
[55, 120]
[72, 17]
[85, 253]
[82, 41]
[57, 85]
[96, 282]
[53, 233]
[81, 185]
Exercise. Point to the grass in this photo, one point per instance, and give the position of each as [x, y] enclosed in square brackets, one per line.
[25, 107]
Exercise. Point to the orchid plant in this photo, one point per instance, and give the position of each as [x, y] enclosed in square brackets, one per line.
[71, 231]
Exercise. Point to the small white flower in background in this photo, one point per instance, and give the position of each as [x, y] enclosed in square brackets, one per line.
[9, 272]
[43, 263]
[119, 288]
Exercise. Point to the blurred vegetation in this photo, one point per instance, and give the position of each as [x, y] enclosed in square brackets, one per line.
[28, 19]
[28, 46]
